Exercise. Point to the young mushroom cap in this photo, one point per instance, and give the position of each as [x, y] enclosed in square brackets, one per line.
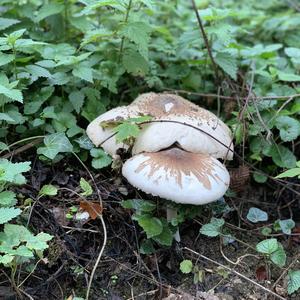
[98, 134]
[214, 138]
[177, 175]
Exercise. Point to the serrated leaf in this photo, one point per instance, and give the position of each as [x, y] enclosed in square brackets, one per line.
[228, 63]
[267, 246]
[49, 10]
[186, 266]
[139, 205]
[125, 131]
[7, 198]
[12, 172]
[138, 32]
[100, 158]
[84, 73]
[38, 242]
[289, 128]
[48, 190]
[151, 225]
[13, 94]
[256, 215]
[6, 58]
[86, 187]
[8, 213]
[77, 100]
[134, 62]
[293, 281]
[54, 144]
[37, 71]
[5, 23]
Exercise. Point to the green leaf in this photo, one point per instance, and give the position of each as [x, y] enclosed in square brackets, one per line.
[147, 247]
[289, 173]
[151, 225]
[138, 32]
[289, 128]
[5, 23]
[260, 178]
[186, 266]
[293, 281]
[6, 58]
[214, 228]
[228, 63]
[38, 242]
[6, 259]
[256, 215]
[139, 205]
[125, 131]
[287, 225]
[13, 94]
[165, 238]
[278, 257]
[86, 187]
[77, 100]
[83, 72]
[49, 10]
[8, 213]
[7, 198]
[37, 71]
[100, 158]
[287, 76]
[267, 246]
[54, 144]
[282, 156]
[134, 62]
[12, 172]
[48, 190]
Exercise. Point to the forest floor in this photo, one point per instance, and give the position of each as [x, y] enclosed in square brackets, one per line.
[228, 272]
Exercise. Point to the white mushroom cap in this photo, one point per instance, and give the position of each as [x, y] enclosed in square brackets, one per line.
[97, 134]
[177, 175]
[157, 136]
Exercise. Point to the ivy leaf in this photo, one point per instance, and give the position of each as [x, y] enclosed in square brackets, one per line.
[256, 215]
[86, 187]
[289, 128]
[186, 266]
[282, 156]
[287, 225]
[8, 213]
[138, 32]
[267, 246]
[152, 225]
[278, 257]
[228, 63]
[54, 144]
[100, 158]
[293, 281]
[214, 228]
[48, 190]
[126, 130]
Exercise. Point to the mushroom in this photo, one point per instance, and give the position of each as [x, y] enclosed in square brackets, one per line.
[179, 176]
[180, 117]
[101, 136]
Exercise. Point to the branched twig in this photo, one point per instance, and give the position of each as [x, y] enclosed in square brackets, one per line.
[206, 41]
[235, 272]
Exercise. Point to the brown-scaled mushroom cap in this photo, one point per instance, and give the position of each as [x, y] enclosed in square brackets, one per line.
[169, 107]
[177, 175]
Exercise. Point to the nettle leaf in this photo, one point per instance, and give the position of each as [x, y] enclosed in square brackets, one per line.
[77, 100]
[278, 257]
[126, 130]
[6, 117]
[100, 158]
[267, 246]
[139, 205]
[12, 172]
[6, 58]
[8, 213]
[86, 187]
[228, 63]
[289, 128]
[48, 190]
[5, 23]
[13, 94]
[8, 198]
[134, 62]
[294, 281]
[214, 228]
[287, 225]
[83, 72]
[257, 215]
[186, 266]
[37, 71]
[48, 10]
[54, 144]
[152, 225]
[139, 33]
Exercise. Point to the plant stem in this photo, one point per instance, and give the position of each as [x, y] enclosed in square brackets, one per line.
[171, 214]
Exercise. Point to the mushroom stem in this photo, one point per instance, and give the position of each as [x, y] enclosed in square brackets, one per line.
[172, 213]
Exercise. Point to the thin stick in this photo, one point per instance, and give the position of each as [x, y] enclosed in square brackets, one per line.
[235, 272]
[205, 40]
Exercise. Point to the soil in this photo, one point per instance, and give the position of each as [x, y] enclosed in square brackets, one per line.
[124, 273]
